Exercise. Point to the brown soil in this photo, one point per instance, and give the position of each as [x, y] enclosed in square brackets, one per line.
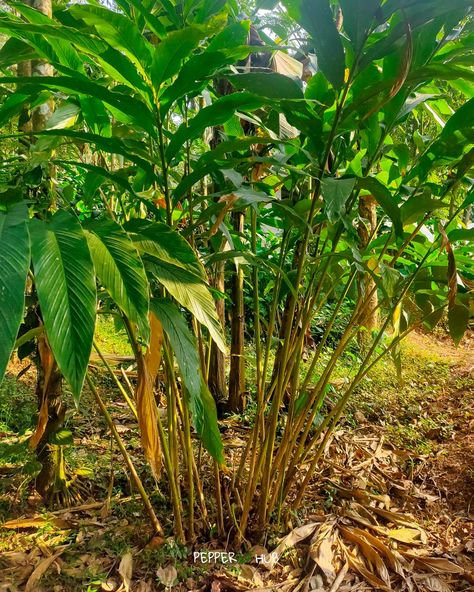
[451, 471]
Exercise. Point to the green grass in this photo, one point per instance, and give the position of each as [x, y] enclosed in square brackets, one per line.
[17, 406]
[406, 409]
[111, 337]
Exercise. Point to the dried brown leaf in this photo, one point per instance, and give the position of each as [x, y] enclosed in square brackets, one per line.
[109, 586]
[452, 272]
[47, 363]
[40, 570]
[144, 587]
[229, 200]
[405, 64]
[148, 366]
[410, 536]
[392, 558]
[294, 537]
[250, 573]
[126, 570]
[321, 549]
[365, 522]
[370, 554]
[436, 564]
[167, 575]
[432, 583]
[370, 577]
[402, 520]
[339, 578]
[38, 522]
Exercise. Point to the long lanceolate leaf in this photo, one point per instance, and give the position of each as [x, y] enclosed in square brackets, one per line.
[14, 263]
[165, 243]
[170, 53]
[173, 262]
[192, 293]
[358, 17]
[316, 17]
[127, 109]
[65, 283]
[200, 401]
[118, 31]
[120, 270]
[217, 113]
[454, 141]
[62, 49]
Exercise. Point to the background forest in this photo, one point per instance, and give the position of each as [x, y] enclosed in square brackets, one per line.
[236, 276]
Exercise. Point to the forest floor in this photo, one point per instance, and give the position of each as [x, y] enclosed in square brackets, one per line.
[392, 506]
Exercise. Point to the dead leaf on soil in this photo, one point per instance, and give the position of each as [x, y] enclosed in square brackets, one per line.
[340, 577]
[250, 573]
[221, 583]
[321, 549]
[40, 570]
[394, 559]
[432, 583]
[436, 564]
[37, 522]
[295, 536]
[411, 536]
[167, 575]
[370, 554]
[144, 587]
[370, 577]
[126, 570]
[109, 586]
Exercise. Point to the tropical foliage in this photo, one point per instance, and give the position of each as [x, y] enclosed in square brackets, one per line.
[182, 174]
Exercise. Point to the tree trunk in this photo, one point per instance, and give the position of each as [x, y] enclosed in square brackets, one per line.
[216, 378]
[49, 394]
[51, 478]
[237, 355]
[217, 375]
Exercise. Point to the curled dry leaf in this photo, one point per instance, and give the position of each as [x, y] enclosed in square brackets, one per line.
[395, 517]
[370, 577]
[228, 200]
[340, 577]
[321, 549]
[126, 570]
[291, 539]
[40, 570]
[394, 560]
[149, 365]
[38, 522]
[47, 363]
[372, 557]
[109, 586]
[167, 575]
[436, 564]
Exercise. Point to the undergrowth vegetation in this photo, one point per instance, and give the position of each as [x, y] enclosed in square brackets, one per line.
[228, 212]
